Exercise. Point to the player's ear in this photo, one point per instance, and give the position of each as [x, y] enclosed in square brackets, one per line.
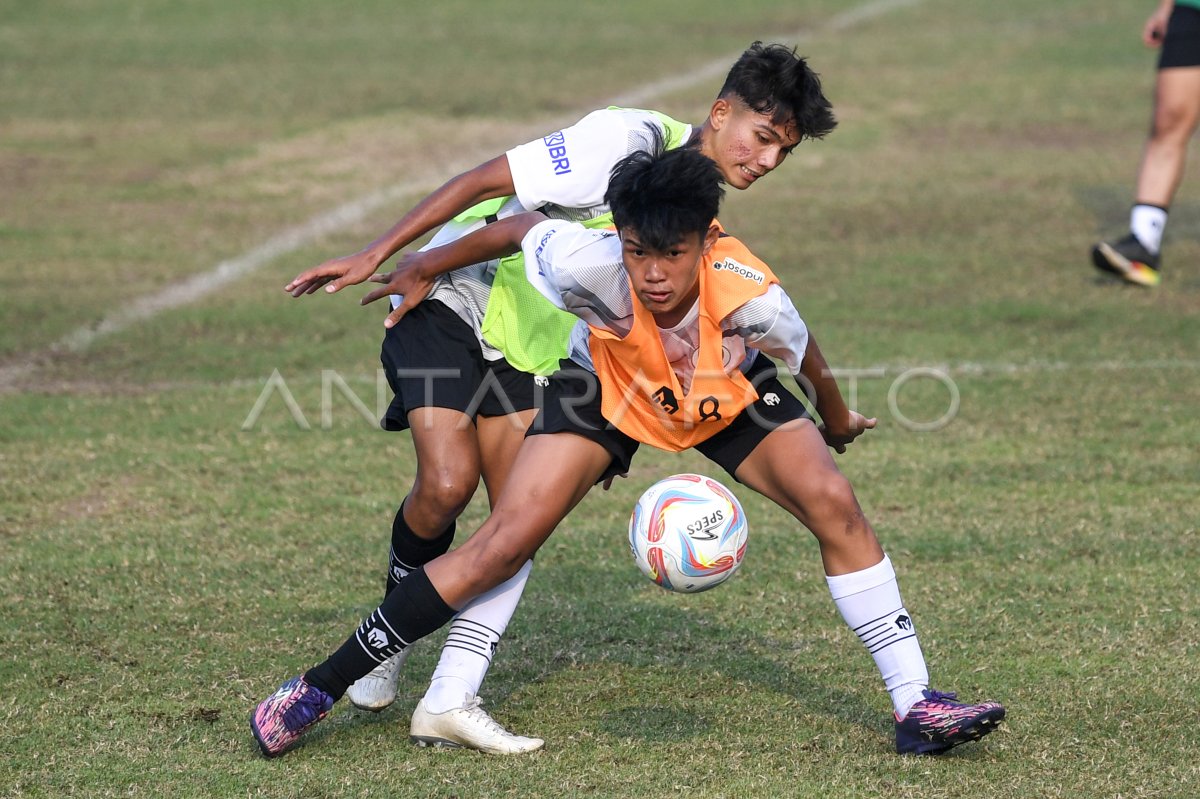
[719, 113]
[711, 236]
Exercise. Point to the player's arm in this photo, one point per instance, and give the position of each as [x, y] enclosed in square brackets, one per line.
[839, 425]
[486, 181]
[772, 324]
[415, 272]
[1155, 28]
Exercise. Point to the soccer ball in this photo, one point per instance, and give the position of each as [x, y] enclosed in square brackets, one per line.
[688, 533]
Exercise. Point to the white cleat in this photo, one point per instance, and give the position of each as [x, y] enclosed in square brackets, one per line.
[467, 727]
[377, 689]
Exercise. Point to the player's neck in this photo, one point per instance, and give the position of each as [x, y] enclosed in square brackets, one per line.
[702, 139]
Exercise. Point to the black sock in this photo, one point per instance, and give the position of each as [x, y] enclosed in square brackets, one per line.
[412, 611]
[410, 551]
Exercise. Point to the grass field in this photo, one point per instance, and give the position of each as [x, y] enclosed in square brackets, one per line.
[162, 568]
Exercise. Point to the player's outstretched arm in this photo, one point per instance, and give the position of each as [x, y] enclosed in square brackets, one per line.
[414, 275]
[839, 425]
[484, 182]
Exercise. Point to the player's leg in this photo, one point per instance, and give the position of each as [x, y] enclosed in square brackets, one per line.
[551, 474]
[450, 714]
[571, 406]
[772, 448]
[1136, 258]
[775, 449]
[754, 449]
[816, 492]
[446, 445]
[1176, 113]
[500, 439]
[434, 365]
[433, 362]
[793, 467]
[448, 458]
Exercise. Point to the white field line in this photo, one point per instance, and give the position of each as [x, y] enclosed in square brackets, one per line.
[195, 288]
[715, 69]
[986, 368]
[970, 369]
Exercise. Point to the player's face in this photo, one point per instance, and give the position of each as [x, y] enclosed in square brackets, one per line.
[666, 282]
[746, 144]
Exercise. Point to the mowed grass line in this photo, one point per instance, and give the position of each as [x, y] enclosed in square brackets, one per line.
[164, 569]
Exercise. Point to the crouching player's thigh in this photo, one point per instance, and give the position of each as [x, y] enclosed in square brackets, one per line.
[567, 450]
[775, 448]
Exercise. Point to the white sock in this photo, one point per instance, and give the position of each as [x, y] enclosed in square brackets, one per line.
[869, 601]
[1147, 223]
[474, 634]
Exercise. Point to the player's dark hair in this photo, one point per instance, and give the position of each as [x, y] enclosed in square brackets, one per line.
[664, 196]
[772, 79]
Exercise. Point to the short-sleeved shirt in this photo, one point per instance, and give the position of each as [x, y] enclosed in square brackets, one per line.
[568, 170]
[581, 271]
[564, 175]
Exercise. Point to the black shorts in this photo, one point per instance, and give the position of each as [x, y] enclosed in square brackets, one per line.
[572, 405]
[1181, 45]
[433, 360]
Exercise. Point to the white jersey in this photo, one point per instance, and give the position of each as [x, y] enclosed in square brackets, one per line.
[565, 176]
[581, 271]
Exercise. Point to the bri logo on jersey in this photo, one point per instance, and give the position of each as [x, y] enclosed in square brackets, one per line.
[537, 254]
[741, 270]
[556, 144]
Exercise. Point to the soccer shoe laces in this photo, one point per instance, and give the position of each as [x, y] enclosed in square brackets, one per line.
[940, 696]
[306, 709]
[474, 709]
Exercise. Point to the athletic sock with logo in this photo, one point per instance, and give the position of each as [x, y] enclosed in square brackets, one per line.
[869, 601]
[1147, 223]
[471, 643]
[412, 611]
[409, 551]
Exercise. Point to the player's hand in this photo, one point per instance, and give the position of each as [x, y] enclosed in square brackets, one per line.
[839, 435]
[334, 274]
[1155, 28]
[405, 281]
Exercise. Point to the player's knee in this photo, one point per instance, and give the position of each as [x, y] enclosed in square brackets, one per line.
[833, 495]
[505, 561]
[1173, 122]
[445, 493]
[495, 558]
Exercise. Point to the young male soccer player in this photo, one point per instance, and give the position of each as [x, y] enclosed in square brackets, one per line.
[467, 404]
[675, 316]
